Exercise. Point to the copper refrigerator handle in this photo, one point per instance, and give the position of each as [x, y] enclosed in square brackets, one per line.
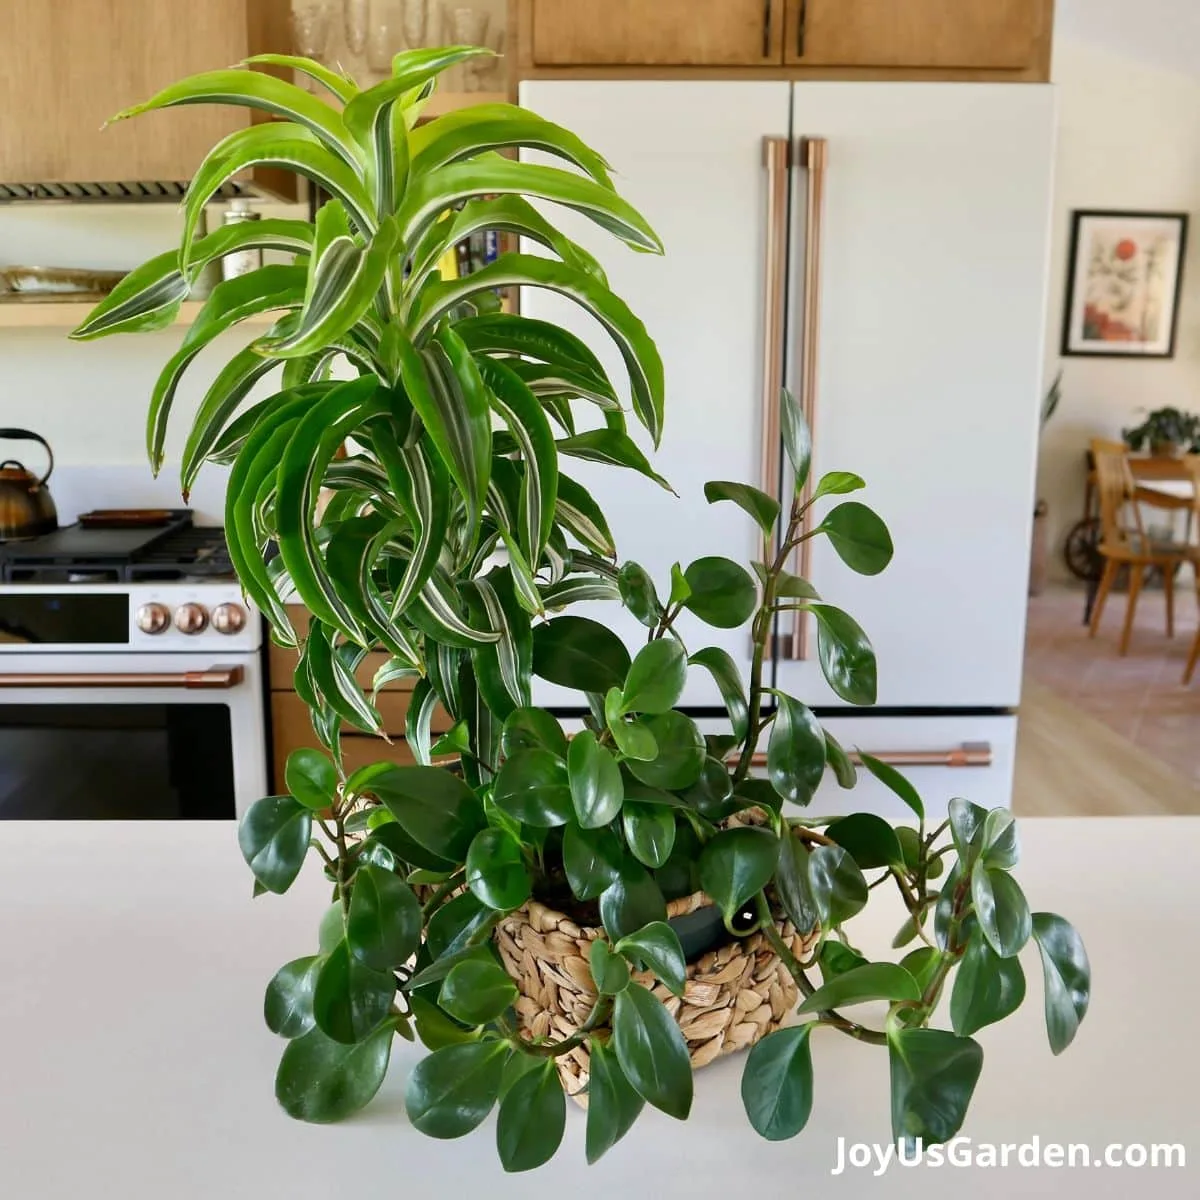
[970, 754]
[812, 157]
[776, 160]
[215, 678]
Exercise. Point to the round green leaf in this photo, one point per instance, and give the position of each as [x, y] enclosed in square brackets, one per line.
[999, 845]
[650, 832]
[728, 678]
[872, 842]
[837, 959]
[632, 738]
[657, 945]
[532, 729]
[592, 859]
[610, 972]
[453, 1090]
[680, 588]
[987, 988]
[792, 886]
[651, 1050]
[656, 678]
[763, 508]
[434, 807]
[288, 1004]
[383, 928]
[1001, 909]
[613, 1104]
[631, 901]
[838, 483]
[933, 1078]
[349, 998]
[638, 594]
[736, 864]
[496, 871]
[533, 787]
[435, 1028]
[533, 1116]
[722, 593]
[966, 820]
[922, 963]
[579, 653]
[797, 438]
[838, 887]
[894, 781]
[321, 1081]
[477, 991]
[1068, 978]
[311, 778]
[847, 659]
[392, 838]
[273, 837]
[795, 751]
[839, 762]
[777, 1083]
[712, 794]
[872, 981]
[595, 781]
[455, 923]
[859, 536]
[681, 753]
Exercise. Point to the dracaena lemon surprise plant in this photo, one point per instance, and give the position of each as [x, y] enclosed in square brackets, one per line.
[453, 538]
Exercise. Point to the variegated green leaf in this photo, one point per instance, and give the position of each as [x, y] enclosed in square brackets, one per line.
[504, 667]
[511, 270]
[525, 419]
[276, 144]
[332, 674]
[580, 515]
[260, 291]
[546, 381]
[437, 613]
[578, 589]
[345, 280]
[444, 387]
[504, 214]
[313, 444]
[613, 448]
[467, 132]
[257, 90]
[339, 85]
[419, 718]
[391, 671]
[524, 585]
[231, 386]
[430, 195]
[527, 337]
[150, 295]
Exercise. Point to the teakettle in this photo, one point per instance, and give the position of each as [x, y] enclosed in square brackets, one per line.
[26, 509]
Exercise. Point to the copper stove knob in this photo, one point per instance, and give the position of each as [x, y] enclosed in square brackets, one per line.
[191, 618]
[229, 618]
[153, 618]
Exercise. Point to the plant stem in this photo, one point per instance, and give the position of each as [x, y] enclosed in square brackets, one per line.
[598, 1014]
[343, 864]
[829, 1017]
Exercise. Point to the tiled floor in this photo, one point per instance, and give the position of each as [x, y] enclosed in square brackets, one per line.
[1141, 696]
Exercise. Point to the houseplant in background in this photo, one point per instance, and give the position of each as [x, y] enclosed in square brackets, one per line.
[456, 546]
[1166, 433]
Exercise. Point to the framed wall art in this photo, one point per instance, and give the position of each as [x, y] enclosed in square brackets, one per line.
[1124, 273]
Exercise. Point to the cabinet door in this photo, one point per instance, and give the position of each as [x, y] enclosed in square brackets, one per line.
[929, 360]
[690, 157]
[72, 64]
[996, 35]
[676, 33]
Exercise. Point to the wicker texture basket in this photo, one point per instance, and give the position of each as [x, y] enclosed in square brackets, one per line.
[733, 996]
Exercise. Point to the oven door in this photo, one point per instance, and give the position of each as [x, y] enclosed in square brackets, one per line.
[130, 737]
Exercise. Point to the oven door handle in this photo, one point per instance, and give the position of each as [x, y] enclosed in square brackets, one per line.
[215, 678]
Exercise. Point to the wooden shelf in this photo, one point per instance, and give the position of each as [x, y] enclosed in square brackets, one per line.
[66, 314]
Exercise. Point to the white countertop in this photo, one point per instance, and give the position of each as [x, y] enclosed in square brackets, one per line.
[1179, 489]
[134, 1062]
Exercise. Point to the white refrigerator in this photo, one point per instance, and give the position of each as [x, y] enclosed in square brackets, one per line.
[880, 248]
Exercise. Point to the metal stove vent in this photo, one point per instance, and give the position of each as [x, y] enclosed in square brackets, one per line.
[113, 193]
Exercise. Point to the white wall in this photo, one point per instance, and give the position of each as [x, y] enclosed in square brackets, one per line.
[1129, 138]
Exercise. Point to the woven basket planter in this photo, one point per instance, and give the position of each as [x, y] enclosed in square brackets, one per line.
[733, 996]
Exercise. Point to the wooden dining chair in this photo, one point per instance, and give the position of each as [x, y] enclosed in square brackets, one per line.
[1123, 540]
[1192, 462]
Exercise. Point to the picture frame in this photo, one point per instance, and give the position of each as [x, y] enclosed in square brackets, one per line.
[1124, 280]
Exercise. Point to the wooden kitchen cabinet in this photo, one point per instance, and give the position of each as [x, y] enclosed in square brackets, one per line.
[982, 35]
[69, 65]
[1003, 40]
[677, 33]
